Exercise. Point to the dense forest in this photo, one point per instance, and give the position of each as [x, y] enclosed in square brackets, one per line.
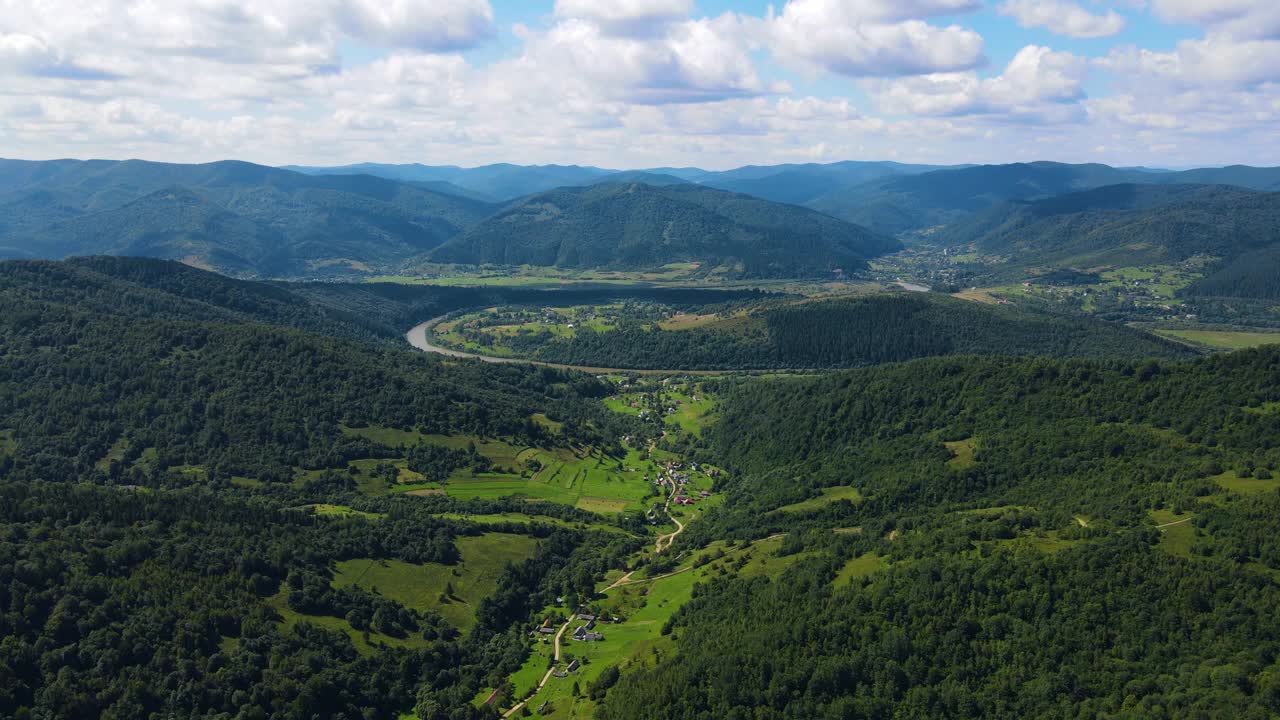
[1008, 503]
[154, 423]
[847, 332]
[918, 201]
[972, 535]
[184, 380]
[1127, 225]
[635, 226]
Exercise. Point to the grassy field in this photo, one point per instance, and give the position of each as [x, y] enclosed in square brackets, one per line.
[591, 482]
[694, 410]
[828, 496]
[1175, 539]
[1245, 485]
[422, 587]
[645, 606]
[581, 477]
[514, 517]
[962, 452]
[1269, 408]
[325, 509]
[860, 566]
[114, 454]
[370, 481]
[1224, 339]
[289, 618]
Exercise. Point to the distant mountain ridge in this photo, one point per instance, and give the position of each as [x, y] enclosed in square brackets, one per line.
[1140, 224]
[897, 205]
[790, 183]
[256, 220]
[638, 226]
[228, 215]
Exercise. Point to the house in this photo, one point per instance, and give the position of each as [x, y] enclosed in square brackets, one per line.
[589, 617]
[582, 634]
[573, 666]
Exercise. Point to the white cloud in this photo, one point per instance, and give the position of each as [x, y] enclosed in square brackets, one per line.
[626, 17]
[693, 61]
[878, 38]
[1063, 18]
[301, 33]
[1034, 81]
[426, 25]
[1253, 19]
[1128, 110]
[620, 83]
[1216, 61]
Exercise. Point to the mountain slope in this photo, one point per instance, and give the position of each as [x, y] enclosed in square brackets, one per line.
[635, 226]
[500, 182]
[846, 332]
[1140, 224]
[233, 216]
[904, 204]
[799, 184]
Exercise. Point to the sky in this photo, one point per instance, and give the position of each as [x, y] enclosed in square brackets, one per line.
[642, 83]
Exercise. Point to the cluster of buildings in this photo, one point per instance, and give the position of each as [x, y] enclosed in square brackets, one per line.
[586, 632]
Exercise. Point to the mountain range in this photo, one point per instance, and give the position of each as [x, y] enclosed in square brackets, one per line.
[1122, 225]
[256, 220]
[229, 215]
[790, 183]
[796, 219]
[908, 203]
[634, 225]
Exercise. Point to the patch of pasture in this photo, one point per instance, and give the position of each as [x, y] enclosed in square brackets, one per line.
[1246, 485]
[1224, 339]
[327, 510]
[1177, 534]
[858, 567]
[115, 453]
[828, 495]
[290, 617]
[425, 587]
[962, 452]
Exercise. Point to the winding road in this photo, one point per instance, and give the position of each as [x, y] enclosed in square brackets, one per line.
[420, 337]
[664, 542]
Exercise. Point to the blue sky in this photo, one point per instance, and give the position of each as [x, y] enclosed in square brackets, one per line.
[641, 83]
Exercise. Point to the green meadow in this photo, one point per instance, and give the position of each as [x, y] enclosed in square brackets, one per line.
[1224, 339]
[1246, 485]
[962, 452]
[423, 587]
[1178, 534]
[828, 495]
[646, 606]
[585, 478]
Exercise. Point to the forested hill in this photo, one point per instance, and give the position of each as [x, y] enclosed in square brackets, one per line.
[167, 439]
[241, 377]
[973, 537]
[151, 289]
[902, 204]
[232, 216]
[634, 226]
[1139, 224]
[847, 332]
